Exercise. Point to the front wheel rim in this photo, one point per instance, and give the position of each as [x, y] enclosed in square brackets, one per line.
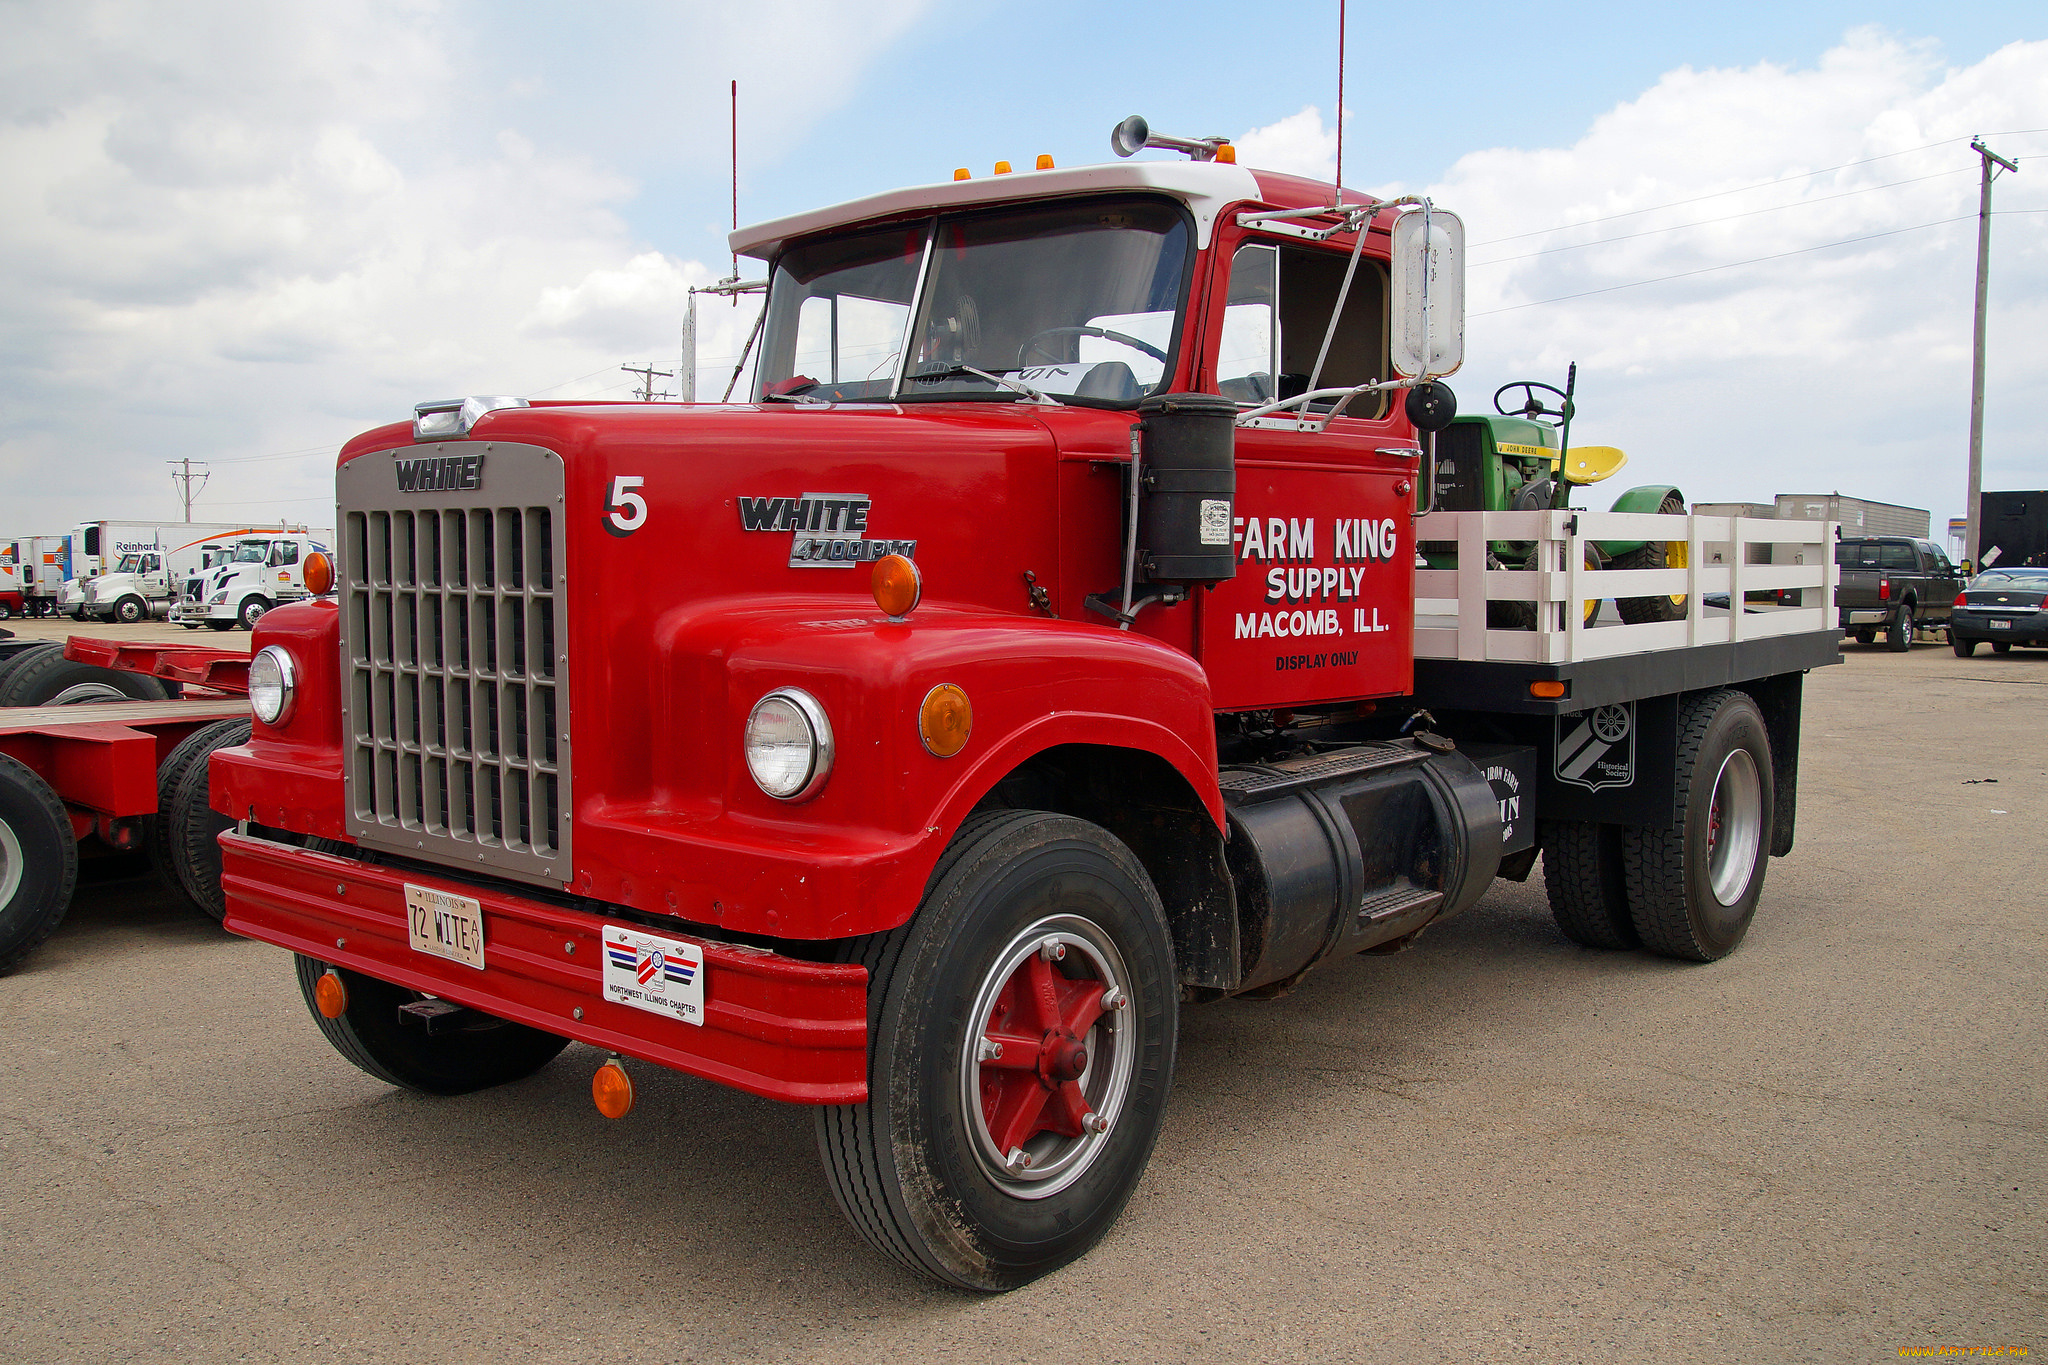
[1047, 1062]
[1735, 824]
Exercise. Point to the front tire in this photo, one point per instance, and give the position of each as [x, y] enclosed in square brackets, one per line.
[130, 610]
[251, 612]
[1693, 887]
[1012, 1101]
[372, 1034]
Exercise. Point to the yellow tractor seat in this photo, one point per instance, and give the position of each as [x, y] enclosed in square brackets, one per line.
[1590, 464]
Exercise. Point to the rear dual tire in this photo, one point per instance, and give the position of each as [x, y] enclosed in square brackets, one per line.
[38, 862]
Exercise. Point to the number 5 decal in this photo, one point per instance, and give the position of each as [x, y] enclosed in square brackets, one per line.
[627, 510]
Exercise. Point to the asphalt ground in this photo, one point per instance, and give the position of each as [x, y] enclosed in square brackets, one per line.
[1496, 1146]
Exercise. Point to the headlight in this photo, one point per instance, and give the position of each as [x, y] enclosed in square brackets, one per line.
[789, 744]
[219, 598]
[273, 684]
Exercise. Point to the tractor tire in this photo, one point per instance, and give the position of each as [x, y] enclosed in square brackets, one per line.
[371, 1033]
[986, 1169]
[189, 837]
[251, 612]
[1587, 885]
[38, 862]
[1654, 554]
[1693, 887]
[50, 679]
[130, 610]
[1899, 635]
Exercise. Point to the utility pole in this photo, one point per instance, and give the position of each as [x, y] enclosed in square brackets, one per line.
[648, 374]
[183, 478]
[1971, 509]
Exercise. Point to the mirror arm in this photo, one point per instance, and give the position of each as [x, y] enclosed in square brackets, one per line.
[1318, 395]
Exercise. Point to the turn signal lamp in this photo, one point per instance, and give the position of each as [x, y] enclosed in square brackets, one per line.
[612, 1090]
[319, 574]
[330, 995]
[945, 720]
[1226, 154]
[1045, 161]
[1547, 690]
[1962, 599]
[960, 173]
[897, 585]
[1002, 168]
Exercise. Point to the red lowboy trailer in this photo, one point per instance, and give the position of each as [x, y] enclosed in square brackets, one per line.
[102, 755]
[1042, 649]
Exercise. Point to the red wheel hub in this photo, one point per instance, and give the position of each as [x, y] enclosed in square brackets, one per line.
[1033, 1054]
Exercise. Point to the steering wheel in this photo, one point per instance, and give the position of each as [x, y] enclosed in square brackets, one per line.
[1532, 406]
[1024, 351]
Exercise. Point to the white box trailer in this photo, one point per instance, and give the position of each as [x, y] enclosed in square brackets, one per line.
[139, 561]
[44, 563]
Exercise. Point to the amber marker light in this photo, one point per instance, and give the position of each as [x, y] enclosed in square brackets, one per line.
[330, 995]
[612, 1089]
[1002, 168]
[945, 720]
[1226, 154]
[319, 574]
[960, 173]
[897, 585]
[1547, 691]
[1045, 161]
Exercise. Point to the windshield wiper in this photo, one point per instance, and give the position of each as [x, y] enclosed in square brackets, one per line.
[1017, 385]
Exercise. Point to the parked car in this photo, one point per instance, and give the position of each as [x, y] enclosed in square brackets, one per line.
[1893, 584]
[2002, 608]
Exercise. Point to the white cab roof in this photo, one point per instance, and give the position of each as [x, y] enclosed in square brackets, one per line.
[1206, 187]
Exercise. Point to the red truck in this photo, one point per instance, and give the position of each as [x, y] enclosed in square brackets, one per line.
[1041, 649]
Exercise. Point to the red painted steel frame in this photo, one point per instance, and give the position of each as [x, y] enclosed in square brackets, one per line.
[223, 670]
[102, 758]
[773, 1025]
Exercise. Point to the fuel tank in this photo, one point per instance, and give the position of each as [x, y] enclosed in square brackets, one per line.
[1352, 848]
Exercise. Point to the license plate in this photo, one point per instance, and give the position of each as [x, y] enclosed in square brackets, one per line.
[648, 972]
[1999, 625]
[445, 925]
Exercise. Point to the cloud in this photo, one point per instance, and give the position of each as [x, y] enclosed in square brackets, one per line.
[1298, 145]
[237, 230]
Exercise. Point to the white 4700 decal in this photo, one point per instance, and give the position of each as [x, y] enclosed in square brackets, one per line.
[625, 511]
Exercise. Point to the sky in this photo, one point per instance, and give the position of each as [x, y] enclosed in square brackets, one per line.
[240, 232]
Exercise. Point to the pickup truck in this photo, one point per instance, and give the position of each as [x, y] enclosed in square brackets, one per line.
[1893, 584]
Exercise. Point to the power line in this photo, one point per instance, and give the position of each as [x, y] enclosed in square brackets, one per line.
[1725, 218]
[1709, 269]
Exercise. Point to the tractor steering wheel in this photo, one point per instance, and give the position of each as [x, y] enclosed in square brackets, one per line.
[1532, 406]
[1024, 351]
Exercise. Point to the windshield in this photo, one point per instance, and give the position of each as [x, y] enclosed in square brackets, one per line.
[1079, 301]
[2033, 580]
[129, 564]
[252, 552]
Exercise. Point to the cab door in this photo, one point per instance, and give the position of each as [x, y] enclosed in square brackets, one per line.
[1322, 606]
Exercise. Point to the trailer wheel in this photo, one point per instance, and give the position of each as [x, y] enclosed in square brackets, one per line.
[50, 679]
[1021, 1043]
[1655, 554]
[186, 828]
[14, 661]
[1587, 885]
[1899, 636]
[38, 862]
[1693, 887]
[251, 612]
[371, 1033]
[129, 610]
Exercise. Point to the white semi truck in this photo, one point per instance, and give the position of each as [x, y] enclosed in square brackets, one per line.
[139, 561]
[256, 572]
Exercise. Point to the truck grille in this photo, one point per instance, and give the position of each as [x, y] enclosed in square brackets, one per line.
[454, 660]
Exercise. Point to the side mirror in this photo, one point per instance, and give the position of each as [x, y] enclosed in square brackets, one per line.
[1428, 294]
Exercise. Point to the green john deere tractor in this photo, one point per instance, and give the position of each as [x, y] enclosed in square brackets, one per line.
[1509, 462]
